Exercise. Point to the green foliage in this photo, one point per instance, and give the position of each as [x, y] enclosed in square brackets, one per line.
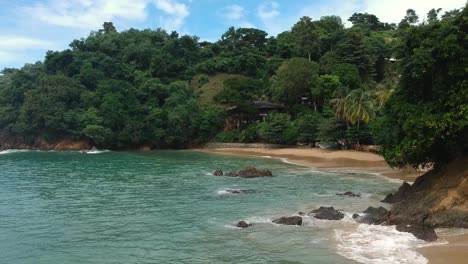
[426, 120]
[278, 129]
[332, 130]
[295, 78]
[307, 125]
[348, 74]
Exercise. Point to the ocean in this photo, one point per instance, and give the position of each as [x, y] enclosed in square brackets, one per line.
[167, 207]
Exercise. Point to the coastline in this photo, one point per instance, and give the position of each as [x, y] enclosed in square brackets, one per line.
[454, 251]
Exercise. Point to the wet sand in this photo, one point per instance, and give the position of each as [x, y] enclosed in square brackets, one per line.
[453, 252]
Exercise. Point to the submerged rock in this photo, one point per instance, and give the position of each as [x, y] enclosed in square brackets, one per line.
[355, 216]
[423, 232]
[327, 213]
[218, 173]
[249, 172]
[292, 220]
[374, 216]
[350, 194]
[243, 224]
[239, 191]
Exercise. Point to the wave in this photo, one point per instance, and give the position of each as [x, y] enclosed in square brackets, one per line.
[95, 151]
[10, 151]
[379, 244]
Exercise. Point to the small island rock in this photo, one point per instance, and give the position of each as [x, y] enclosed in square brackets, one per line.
[327, 213]
[243, 224]
[292, 220]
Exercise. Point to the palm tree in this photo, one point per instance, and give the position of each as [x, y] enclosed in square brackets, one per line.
[383, 93]
[359, 107]
[339, 102]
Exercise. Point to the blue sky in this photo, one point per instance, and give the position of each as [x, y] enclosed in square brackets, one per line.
[28, 28]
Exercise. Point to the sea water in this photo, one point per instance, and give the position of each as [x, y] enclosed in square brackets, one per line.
[167, 207]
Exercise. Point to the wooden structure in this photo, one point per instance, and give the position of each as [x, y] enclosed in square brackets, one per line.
[256, 112]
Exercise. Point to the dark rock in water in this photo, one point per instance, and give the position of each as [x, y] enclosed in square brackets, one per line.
[351, 194]
[249, 172]
[355, 216]
[374, 216]
[218, 173]
[239, 191]
[423, 232]
[301, 213]
[328, 213]
[292, 220]
[243, 224]
[399, 195]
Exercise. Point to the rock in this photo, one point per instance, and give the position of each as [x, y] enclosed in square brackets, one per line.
[218, 173]
[328, 213]
[423, 232]
[355, 216]
[243, 224]
[399, 195]
[351, 194]
[292, 220]
[249, 172]
[239, 191]
[301, 213]
[374, 216]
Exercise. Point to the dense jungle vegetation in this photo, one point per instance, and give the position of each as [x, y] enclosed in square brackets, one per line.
[402, 86]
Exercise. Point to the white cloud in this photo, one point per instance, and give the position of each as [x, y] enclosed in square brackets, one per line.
[86, 13]
[175, 13]
[268, 10]
[234, 12]
[90, 14]
[23, 43]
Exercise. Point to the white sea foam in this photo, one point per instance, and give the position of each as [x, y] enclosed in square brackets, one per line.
[10, 151]
[379, 244]
[96, 151]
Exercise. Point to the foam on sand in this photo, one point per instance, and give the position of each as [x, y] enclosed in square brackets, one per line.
[380, 245]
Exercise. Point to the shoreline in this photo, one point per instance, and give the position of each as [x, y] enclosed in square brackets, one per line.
[454, 251]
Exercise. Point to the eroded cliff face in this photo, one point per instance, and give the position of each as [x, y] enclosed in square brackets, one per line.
[8, 141]
[437, 198]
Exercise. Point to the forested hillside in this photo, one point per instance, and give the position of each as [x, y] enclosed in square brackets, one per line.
[373, 83]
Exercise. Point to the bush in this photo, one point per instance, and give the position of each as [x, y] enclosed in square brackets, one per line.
[278, 129]
[249, 134]
[228, 136]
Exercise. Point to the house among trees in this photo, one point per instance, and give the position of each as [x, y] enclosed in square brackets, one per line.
[247, 114]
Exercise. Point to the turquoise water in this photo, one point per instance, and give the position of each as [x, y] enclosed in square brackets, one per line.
[166, 207]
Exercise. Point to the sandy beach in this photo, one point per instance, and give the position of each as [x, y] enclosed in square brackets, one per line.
[455, 251]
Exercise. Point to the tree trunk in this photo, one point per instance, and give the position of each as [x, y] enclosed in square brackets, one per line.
[358, 133]
[308, 53]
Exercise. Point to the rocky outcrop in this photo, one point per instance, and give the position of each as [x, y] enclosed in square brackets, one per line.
[243, 224]
[423, 232]
[350, 194]
[399, 195]
[292, 220]
[373, 216]
[438, 198]
[247, 172]
[8, 141]
[327, 213]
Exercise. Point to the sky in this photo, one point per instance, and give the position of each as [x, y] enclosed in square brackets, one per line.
[28, 28]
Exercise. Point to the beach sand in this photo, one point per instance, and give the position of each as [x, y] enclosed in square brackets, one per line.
[453, 252]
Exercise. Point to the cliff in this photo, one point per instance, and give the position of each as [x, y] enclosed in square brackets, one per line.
[8, 141]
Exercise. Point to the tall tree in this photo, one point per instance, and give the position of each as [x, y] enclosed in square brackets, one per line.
[306, 36]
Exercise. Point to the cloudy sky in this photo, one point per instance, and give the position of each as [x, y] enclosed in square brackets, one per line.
[31, 27]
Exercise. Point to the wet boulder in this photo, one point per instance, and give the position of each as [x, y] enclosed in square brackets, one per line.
[327, 213]
[292, 220]
[243, 224]
[423, 232]
[239, 191]
[218, 173]
[374, 216]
